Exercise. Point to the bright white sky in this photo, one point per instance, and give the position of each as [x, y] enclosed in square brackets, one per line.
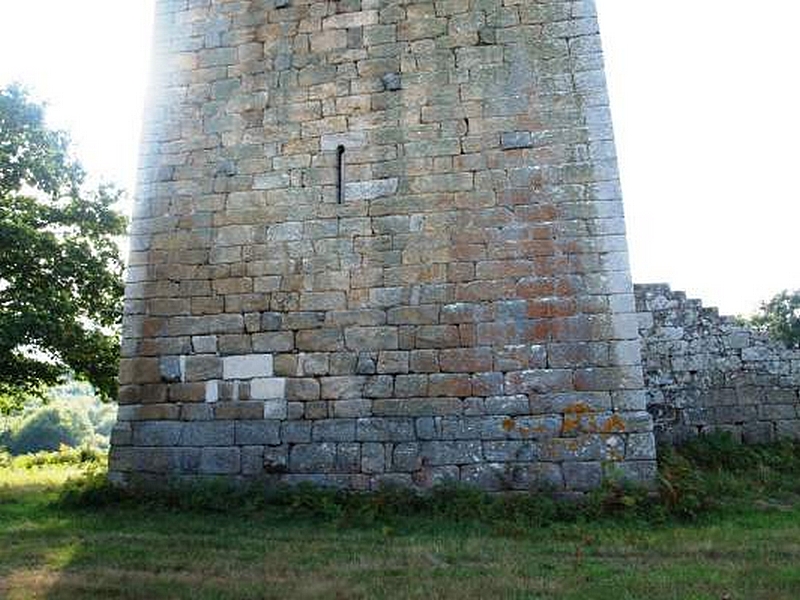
[704, 98]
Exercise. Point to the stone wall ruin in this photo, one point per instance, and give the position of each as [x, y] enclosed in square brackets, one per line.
[707, 373]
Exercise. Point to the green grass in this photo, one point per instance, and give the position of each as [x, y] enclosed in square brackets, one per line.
[727, 526]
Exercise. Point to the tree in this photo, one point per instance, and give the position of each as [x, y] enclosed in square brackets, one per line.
[60, 269]
[780, 318]
[50, 427]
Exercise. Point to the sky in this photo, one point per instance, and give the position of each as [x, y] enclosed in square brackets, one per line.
[703, 97]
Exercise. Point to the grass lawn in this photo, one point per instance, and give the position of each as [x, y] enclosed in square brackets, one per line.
[50, 551]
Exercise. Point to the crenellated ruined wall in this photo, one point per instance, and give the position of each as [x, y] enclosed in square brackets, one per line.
[707, 373]
[379, 240]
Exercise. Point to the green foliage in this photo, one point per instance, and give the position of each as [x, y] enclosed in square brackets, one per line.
[780, 318]
[60, 270]
[620, 499]
[92, 490]
[71, 417]
[80, 396]
[683, 489]
[49, 428]
[65, 455]
[716, 473]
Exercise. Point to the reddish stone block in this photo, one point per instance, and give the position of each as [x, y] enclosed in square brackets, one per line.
[437, 336]
[466, 360]
[450, 384]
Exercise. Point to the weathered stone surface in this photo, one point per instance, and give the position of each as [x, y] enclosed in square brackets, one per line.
[373, 458]
[281, 341]
[302, 389]
[352, 408]
[293, 432]
[236, 410]
[122, 434]
[384, 429]
[707, 373]
[449, 385]
[391, 82]
[546, 477]
[507, 405]
[320, 340]
[208, 433]
[452, 453]
[406, 457]
[220, 461]
[170, 368]
[385, 244]
[516, 139]
[393, 362]
[268, 388]
[258, 433]
[335, 388]
[334, 430]
[371, 338]
[274, 409]
[157, 433]
[582, 476]
[348, 458]
[312, 458]
[509, 451]
[252, 460]
[369, 190]
[202, 368]
[247, 366]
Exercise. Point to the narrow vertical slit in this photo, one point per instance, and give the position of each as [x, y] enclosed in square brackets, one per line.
[340, 174]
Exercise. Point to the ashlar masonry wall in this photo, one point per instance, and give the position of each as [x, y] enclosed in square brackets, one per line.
[708, 373]
[378, 240]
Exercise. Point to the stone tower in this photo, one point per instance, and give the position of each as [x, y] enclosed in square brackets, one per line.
[380, 241]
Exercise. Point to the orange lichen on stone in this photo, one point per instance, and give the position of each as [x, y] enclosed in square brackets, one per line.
[570, 425]
[614, 424]
[578, 408]
[575, 418]
[509, 425]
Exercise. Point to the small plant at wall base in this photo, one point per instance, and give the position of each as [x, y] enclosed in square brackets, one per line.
[60, 269]
[780, 318]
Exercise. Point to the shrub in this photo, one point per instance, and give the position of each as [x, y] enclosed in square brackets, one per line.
[780, 318]
[49, 428]
[92, 490]
[683, 490]
[65, 455]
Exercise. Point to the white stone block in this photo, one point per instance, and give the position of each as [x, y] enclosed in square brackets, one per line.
[351, 139]
[351, 19]
[275, 409]
[268, 388]
[204, 344]
[247, 366]
[371, 189]
[626, 352]
[212, 391]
